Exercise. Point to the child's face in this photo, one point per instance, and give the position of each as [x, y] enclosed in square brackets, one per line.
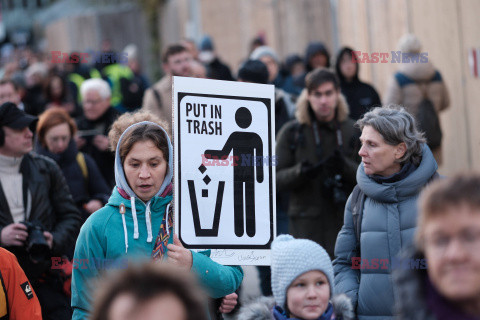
[308, 295]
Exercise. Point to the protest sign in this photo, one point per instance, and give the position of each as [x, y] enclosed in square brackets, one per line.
[224, 144]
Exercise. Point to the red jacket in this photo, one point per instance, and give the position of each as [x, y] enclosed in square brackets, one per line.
[17, 298]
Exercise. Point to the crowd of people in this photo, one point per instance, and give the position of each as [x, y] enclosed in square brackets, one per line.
[86, 173]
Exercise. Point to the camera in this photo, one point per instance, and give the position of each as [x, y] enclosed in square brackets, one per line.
[334, 186]
[37, 246]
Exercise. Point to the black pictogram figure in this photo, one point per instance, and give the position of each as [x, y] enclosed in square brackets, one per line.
[245, 145]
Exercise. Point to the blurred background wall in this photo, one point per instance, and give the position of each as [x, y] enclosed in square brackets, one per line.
[448, 29]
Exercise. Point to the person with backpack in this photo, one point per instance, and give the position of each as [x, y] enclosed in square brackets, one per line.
[381, 213]
[55, 132]
[420, 88]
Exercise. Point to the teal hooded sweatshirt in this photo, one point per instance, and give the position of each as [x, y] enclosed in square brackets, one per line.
[109, 241]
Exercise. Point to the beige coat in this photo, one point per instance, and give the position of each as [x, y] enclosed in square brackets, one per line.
[151, 103]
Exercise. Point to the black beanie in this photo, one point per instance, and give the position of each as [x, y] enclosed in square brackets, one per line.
[253, 71]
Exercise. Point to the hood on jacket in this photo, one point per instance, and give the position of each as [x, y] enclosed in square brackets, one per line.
[405, 188]
[261, 308]
[312, 49]
[126, 192]
[302, 113]
[345, 50]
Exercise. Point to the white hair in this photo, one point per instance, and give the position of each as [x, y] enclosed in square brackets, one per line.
[131, 51]
[101, 86]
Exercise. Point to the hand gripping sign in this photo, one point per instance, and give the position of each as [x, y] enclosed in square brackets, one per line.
[224, 168]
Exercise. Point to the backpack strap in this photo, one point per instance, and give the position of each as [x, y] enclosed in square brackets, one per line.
[83, 165]
[358, 199]
[296, 136]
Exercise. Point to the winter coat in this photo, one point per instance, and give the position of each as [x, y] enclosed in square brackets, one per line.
[416, 297]
[285, 82]
[361, 97]
[262, 309]
[82, 189]
[101, 126]
[50, 203]
[18, 299]
[387, 226]
[160, 107]
[107, 241]
[312, 212]
[284, 109]
[410, 95]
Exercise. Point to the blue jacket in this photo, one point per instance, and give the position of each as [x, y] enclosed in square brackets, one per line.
[388, 225]
[107, 242]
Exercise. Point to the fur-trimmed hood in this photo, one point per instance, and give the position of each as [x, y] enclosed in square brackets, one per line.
[261, 308]
[303, 116]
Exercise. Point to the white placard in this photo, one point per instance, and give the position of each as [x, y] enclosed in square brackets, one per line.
[224, 140]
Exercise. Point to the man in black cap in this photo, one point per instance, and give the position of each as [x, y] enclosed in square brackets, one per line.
[33, 192]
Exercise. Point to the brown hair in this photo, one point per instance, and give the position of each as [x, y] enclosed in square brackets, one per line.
[139, 133]
[8, 81]
[319, 76]
[171, 50]
[443, 194]
[147, 282]
[51, 118]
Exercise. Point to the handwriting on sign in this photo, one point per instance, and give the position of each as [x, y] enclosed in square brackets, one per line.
[251, 256]
[222, 253]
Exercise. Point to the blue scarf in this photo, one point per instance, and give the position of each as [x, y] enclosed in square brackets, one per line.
[279, 314]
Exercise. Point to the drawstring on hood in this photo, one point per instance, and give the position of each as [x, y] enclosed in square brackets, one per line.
[122, 185]
[134, 214]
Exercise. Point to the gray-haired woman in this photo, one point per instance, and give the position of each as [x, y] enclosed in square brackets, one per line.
[396, 165]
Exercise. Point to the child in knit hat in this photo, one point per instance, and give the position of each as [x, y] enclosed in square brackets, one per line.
[302, 285]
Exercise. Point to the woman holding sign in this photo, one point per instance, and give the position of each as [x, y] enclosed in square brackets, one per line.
[137, 222]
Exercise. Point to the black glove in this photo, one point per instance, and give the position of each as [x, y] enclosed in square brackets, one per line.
[335, 162]
[310, 170]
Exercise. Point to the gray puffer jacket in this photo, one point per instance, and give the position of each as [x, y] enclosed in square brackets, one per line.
[388, 225]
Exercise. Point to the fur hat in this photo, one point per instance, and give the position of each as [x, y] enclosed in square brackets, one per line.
[293, 257]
